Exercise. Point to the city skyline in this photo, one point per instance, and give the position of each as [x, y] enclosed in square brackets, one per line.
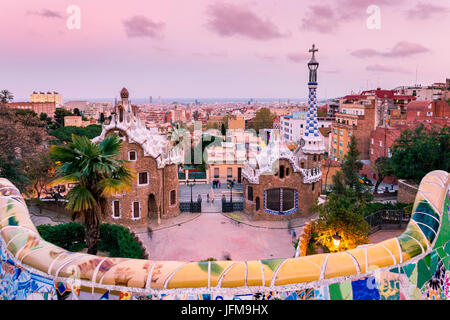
[222, 49]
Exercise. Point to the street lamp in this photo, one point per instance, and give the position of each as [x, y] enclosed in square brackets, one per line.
[231, 193]
[336, 240]
[191, 184]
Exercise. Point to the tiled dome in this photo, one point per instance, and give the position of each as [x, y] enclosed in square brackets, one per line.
[124, 93]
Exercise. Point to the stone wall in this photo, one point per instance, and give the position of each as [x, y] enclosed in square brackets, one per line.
[406, 192]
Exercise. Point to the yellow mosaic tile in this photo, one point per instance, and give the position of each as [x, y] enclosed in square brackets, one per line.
[378, 257]
[161, 271]
[217, 270]
[338, 265]
[130, 272]
[191, 275]
[235, 277]
[360, 255]
[297, 270]
[254, 273]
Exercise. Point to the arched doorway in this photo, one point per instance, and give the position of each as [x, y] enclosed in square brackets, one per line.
[152, 207]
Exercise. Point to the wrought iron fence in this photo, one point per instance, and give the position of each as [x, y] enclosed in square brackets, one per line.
[194, 207]
[387, 219]
[228, 206]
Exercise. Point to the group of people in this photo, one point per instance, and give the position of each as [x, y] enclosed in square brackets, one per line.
[216, 184]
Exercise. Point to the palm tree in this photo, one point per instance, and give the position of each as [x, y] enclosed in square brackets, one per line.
[97, 173]
[6, 96]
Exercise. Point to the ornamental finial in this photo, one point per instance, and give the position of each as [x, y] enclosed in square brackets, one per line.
[313, 50]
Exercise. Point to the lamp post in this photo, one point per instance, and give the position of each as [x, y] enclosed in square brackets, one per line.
[337, 240]
[231, 194]
[191, 185]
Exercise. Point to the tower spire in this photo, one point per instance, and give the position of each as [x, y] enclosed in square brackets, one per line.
[311, 120]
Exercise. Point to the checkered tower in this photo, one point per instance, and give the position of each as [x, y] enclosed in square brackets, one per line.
[312, 128]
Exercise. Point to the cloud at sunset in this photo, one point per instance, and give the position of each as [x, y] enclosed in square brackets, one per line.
[46, 13]
[381, 67]
[141, 26]
[298, 57]
[400, 50]
[228, 20]
[423, 11]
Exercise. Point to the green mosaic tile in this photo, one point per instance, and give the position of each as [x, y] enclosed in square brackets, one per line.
[346, 290]
[441, 252]
[335, 291]
[423, 273]
[409, 269]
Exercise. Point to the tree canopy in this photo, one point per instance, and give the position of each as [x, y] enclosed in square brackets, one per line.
[419, 151]
[263, 120]
[64, 134]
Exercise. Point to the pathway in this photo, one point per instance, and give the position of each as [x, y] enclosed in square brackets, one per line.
[216, 236]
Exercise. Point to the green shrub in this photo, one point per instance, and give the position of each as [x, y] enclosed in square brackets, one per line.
[115, 239]
[119, 242]
[69, 236]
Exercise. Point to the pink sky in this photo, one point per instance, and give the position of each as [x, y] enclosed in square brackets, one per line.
[204, 49]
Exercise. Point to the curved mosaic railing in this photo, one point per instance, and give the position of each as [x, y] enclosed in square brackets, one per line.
[414, 265]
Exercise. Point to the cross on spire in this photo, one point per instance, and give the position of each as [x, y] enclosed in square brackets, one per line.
[313, 50]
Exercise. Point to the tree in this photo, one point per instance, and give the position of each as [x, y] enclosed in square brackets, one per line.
[76, 112]
[60, 113]
[223, 131]
[263, 120]
[64, 134]
[102, 118]
[383, 168]
[342, 215]
[41, 173]
[350, 167]
[21, 142]
[97, 172]
[6, 96]
[419, 151]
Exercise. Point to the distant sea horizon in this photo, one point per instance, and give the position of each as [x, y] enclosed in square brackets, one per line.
[190, 100]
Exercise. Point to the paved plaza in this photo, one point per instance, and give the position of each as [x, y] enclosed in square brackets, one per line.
[216, 236]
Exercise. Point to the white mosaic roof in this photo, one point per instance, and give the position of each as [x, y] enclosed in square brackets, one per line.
[154, 145]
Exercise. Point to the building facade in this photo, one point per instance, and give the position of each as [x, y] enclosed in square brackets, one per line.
[42, 97]
[283, 184]
[48, 108]
[155, 191]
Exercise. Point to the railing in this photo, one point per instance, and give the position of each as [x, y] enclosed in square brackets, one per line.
[387, 219]
[228, 206]
[194, 207]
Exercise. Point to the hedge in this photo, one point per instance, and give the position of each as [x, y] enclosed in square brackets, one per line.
[119, 242]
[115, 239]
[69, 236]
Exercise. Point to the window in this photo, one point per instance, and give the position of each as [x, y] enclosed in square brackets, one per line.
[173, 197]
[216, 172]
[230, 172]
[371, 141]
[381, 143]
[257, 204]
[143, 178]
[132, 155]
[250, 193]
[116, 208]
[280, 201]
[287, 172]
[281, 172]
[136, 210]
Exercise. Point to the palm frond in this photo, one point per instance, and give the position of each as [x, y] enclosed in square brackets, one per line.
[80, 199]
